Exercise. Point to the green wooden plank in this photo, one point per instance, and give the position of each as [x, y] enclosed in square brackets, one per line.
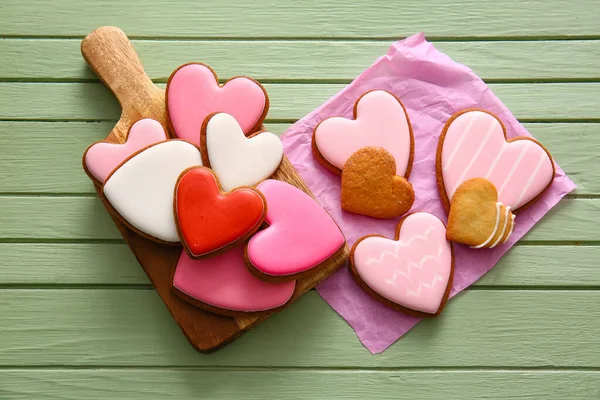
[113, 264]
[325, 18]
[27, 59]
[43, 218]
[489, 328]
[190, 384]
[55, 165]
[91, 101]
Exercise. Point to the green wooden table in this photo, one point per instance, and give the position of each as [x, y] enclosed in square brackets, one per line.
[79, 320]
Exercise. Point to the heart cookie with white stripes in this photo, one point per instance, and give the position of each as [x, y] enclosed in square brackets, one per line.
[412, 273]
[477, 218]
[474, 144]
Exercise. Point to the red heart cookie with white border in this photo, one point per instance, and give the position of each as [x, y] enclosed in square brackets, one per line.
[209, 220]
[193, 93]
[412, 273]
[473, 144]
[380, 120]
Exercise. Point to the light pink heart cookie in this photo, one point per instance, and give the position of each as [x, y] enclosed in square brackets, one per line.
[223, 284]
[194, 93]
[101, 158]
[380, 120]
[473, 144]
[412, 273]
[300, 236]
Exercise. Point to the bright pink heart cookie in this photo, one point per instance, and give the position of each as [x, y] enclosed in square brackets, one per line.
[194, 93]
[412, 273]
[223, 283]
[300, 236]
[101, 158]
[380, 120]
[473, 144]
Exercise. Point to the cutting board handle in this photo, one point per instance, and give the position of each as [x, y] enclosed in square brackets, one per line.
[113, 59]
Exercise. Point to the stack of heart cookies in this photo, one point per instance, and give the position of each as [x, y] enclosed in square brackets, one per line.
[483, 180]
[205, 183]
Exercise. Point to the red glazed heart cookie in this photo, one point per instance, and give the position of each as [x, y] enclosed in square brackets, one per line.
[412, 273]
[379, 120]
[207, 219]
[477, 218]
[371, 187]
[473, 144]
[193, 93]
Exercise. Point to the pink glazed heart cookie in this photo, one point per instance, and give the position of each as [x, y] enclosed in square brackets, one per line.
[222, 284]
[193, 93]
[101, 158]
[380, 120]
[300, 236]
[473, 144]
[412, 273]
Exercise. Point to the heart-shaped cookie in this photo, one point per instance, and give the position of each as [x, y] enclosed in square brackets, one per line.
[223, 284]
[193, 93]
[380, 120]
[300, 236]
[371, 187]
[141, 189]
[101, 158]
[477, 218]
[473, 144]
[207, 219]
[234, 158]
[412, 273]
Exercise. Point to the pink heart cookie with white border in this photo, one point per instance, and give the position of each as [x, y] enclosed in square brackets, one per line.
[194, 93]
[473, 144]
[101, 158]
[412, 273]
[300, 235]
[380, 120]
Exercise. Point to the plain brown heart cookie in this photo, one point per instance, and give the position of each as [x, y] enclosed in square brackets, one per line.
[371, 187]
[476, 216]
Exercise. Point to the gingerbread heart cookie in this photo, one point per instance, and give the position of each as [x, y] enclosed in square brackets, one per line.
[209, 220]
[477, 218]
[380, 120]
[371, 187]
[412, 273]
[193, 93]
[473, 144]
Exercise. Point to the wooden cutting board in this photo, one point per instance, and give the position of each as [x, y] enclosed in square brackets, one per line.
[113, 59]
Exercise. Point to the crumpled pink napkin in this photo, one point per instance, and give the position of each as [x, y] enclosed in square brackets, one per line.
[432, 87]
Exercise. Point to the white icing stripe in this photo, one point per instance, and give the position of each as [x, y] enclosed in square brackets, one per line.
[476, 155]
[533, 175]
[506, 212]
[473, 117]
[498, 205]
[512, 228]
[512, 170]
[496, 160]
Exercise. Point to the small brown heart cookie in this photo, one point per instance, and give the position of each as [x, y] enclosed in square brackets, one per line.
[476, 216]
[371, 187]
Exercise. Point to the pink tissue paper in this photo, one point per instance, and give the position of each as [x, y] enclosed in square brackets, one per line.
[432, 87]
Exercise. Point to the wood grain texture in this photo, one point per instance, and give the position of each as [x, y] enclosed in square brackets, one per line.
[91, 101]
[167, 383]
[325, 18]
[281, 60]
[84, 218]
[55, 165]
[100, 264]
[483, 328]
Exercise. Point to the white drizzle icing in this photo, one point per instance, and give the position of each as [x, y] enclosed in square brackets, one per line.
[512, 228]
[498, 205]
[506, 212]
